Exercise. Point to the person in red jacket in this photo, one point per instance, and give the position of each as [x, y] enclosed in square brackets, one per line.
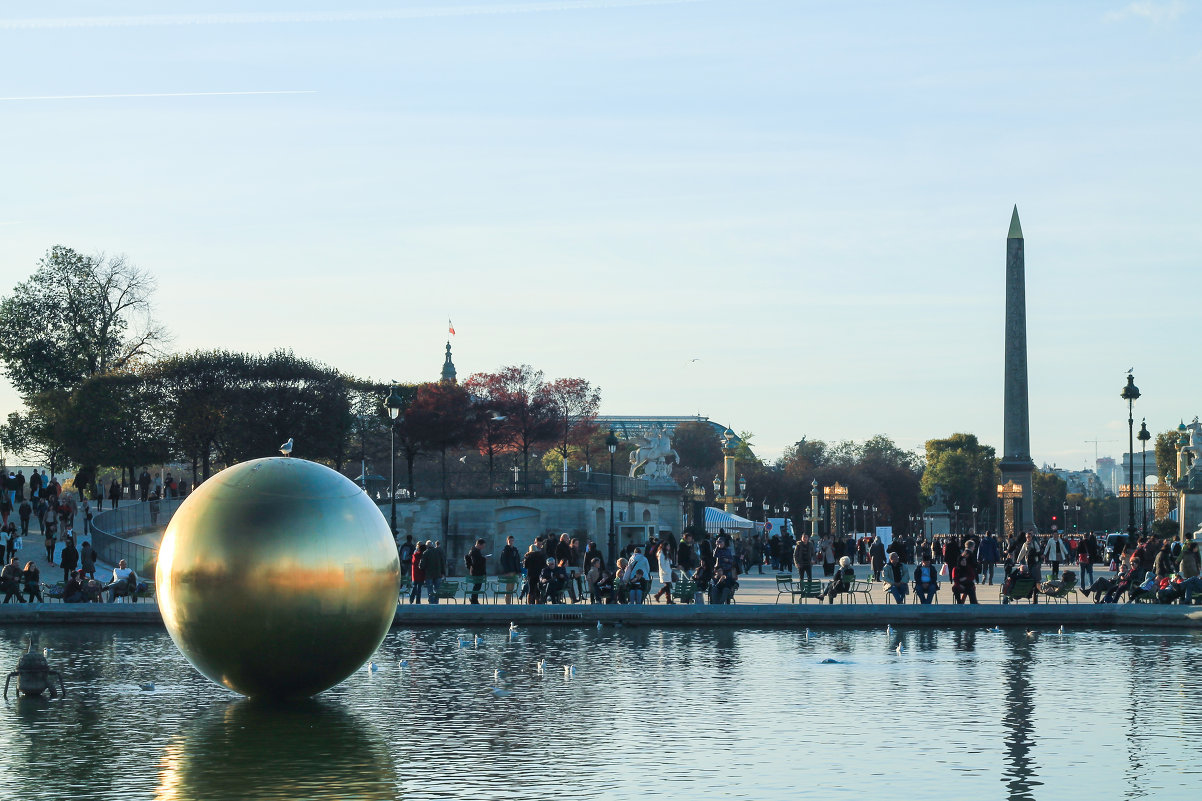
[964, 580]
[418, 574]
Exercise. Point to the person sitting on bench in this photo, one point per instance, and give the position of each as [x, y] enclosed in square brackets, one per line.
[123, 583]
[842, 581]
[926, 580]
[896, 577]
[1107, 591]
[964, 579]
[1054, 585]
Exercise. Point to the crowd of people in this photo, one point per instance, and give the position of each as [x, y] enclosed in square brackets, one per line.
[566, 569]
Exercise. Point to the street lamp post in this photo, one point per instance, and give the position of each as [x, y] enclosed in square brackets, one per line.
[1077, 520]
[393, 403]
[611, 443]
[974, 521]
[1144, 436]
[1064, 520]
[956, 528]
[1130, 394]
[814, 515]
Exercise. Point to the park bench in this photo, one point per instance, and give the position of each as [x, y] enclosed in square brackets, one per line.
[1062, 595]
[505, 586]
[784, 586]
[474, 584]
[685, 591]
[1024, 587]
[447, 591]
[860, 587]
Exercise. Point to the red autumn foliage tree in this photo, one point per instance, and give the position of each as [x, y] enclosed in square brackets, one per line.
[517, 393]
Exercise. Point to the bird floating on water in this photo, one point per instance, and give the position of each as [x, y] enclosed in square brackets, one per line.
[540, 665]
[888, 629]
[569, 670]
[372, 667]
[598, 625]
[1032, 633]
[498, 673]
[1061, 630]
[807, 634]
[404, 663]
[830, 662]
[464, 643]
[513, 626]
[148, 686]
[996, 630]
[479, 640]
[899, 648]
[286, 448]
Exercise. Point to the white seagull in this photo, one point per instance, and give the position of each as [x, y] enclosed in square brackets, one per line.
[807, 634]
[540, 665]
[463, 459]
[286, 448]
[1061, 631]
[479, 640]
[372, 667]
[1032, 633]
[899, 648]
[569, 670]
[888, 629]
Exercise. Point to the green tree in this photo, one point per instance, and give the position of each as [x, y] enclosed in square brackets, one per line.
[1166, 455]
[699, 448]
[966, 469]
[1048, 492]
[75, 317]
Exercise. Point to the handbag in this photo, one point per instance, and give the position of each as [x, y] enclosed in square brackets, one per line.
[943, 570]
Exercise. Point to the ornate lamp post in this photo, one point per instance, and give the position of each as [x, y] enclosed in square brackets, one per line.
[956, 527]
[1144, 436]
[1130, 394]
[393, 403]
[814, 515]
[611, 444]
[1077, 520]
[785, 508]
[1064, 520]
[974, 520]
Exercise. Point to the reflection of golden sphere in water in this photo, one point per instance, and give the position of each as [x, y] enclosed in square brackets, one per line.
[254, 751]
[277, 577]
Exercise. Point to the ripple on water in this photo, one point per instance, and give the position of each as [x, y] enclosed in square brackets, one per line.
[710, 714]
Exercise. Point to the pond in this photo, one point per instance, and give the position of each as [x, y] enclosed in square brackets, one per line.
[696, 714]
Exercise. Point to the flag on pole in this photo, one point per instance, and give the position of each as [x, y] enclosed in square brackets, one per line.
[450, 327]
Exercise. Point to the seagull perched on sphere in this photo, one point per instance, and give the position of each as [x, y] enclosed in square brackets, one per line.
[286, 448]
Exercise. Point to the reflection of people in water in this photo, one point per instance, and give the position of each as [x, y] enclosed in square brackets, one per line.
[248, 750]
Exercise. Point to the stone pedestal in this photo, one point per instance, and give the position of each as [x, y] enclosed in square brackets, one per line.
[670, 512]
[1189, 503]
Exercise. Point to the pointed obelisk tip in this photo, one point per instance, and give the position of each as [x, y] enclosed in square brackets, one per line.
[1016, 230]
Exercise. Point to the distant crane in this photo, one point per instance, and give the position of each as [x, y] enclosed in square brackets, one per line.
[1095, 446]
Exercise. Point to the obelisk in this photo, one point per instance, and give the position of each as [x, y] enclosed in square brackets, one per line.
[1016, 464]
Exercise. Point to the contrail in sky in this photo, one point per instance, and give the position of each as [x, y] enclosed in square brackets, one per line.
[161, 94]
[257, 18]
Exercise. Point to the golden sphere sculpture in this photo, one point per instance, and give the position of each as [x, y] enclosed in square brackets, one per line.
[277, 578]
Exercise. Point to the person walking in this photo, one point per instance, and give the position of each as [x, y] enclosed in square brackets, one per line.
[417, 575]
[987, 556]
[114, 494]
[1031, 555]
[666, 571]
[434, 565]
[803, 557]
[876, 554]
[477, 569]
[69, 559]
[1056, 552]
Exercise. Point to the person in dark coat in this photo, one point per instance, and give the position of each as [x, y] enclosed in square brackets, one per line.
[533, 563]
[877, 554]
[803, 557]
[477, 569]
[69, 559]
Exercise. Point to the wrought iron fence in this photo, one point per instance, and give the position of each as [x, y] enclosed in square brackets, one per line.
[111, 528]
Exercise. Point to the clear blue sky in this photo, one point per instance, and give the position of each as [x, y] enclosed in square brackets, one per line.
[810, 197]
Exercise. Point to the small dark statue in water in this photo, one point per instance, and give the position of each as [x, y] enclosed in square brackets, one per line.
[33, 675]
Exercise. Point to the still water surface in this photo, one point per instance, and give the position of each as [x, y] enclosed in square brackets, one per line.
[678, 713]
